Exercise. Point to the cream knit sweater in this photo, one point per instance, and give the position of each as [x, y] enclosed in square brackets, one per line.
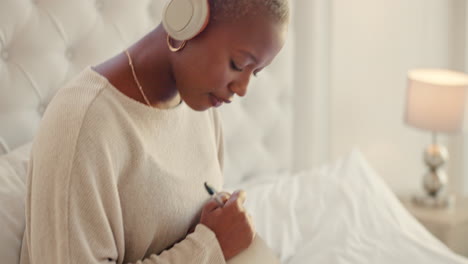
[114, 181]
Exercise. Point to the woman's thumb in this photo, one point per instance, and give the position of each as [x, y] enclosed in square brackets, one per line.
[211, 205]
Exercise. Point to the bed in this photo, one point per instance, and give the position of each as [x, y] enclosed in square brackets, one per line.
[341, 212]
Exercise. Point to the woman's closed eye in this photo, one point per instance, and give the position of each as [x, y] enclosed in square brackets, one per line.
[238, 69]
[235, 67]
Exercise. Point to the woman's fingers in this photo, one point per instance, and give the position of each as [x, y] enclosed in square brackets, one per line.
[224, 196]
[242, 196]
[238, 195]
[235, 199]
[232, 225]
[211, 205]
[251, 222]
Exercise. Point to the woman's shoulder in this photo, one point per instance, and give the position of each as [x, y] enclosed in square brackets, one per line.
[78, 108]
[72, 102]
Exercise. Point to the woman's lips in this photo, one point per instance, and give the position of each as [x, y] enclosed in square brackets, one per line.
[215, 101]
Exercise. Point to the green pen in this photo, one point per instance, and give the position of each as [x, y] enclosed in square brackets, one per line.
[212, 191]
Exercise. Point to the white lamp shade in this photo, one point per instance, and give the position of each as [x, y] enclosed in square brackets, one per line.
[436, 100]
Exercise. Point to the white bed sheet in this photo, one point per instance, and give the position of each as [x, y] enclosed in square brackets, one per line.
[342, 213]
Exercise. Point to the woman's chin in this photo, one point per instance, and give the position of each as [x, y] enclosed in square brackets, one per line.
[198, 106]
[203, 104]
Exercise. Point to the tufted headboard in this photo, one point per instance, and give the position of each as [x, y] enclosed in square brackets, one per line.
[43, 43]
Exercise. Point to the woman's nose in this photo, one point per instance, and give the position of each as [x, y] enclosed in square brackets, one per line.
[239, 87]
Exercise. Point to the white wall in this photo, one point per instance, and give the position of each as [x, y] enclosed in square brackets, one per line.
[458, 145]
[372, 45]
[311, 21]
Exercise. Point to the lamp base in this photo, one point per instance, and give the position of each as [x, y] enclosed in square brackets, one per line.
[442, 202]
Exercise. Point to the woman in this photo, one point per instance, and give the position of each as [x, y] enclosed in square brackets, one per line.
[118, 165]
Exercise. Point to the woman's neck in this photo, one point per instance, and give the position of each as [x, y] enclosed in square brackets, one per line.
[153, 68]
[150, 58]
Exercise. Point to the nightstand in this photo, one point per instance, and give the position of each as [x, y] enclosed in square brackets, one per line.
[449, 225]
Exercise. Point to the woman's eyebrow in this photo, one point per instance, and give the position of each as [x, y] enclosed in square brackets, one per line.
[248, 54]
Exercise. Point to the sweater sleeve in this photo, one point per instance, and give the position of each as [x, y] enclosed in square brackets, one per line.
[199, 247]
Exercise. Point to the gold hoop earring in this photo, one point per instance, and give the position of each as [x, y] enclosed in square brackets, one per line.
[172, 48]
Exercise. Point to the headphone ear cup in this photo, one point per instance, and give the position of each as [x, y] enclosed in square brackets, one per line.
[184, 19]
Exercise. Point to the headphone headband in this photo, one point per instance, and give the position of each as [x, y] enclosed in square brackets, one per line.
[184, 19]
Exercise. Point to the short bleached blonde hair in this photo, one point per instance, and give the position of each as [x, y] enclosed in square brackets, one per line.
[234, 9]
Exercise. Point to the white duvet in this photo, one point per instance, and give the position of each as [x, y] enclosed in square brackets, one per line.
[342, 213]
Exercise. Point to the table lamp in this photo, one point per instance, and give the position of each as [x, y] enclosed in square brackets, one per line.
[436, 101]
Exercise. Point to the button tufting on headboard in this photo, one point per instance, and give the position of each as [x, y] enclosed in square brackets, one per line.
[5, 55]
[41, 109]
[69, 54]
[99, 5]
[3, 147]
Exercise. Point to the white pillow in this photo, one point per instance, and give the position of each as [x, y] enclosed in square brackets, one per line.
[13, 171]
[3, 146]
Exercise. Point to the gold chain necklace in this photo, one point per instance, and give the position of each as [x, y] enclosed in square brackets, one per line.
[130, 62]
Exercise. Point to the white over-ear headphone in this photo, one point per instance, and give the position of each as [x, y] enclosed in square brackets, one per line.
[184, 19]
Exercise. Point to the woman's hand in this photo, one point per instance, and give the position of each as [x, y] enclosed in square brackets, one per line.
[231, 224]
